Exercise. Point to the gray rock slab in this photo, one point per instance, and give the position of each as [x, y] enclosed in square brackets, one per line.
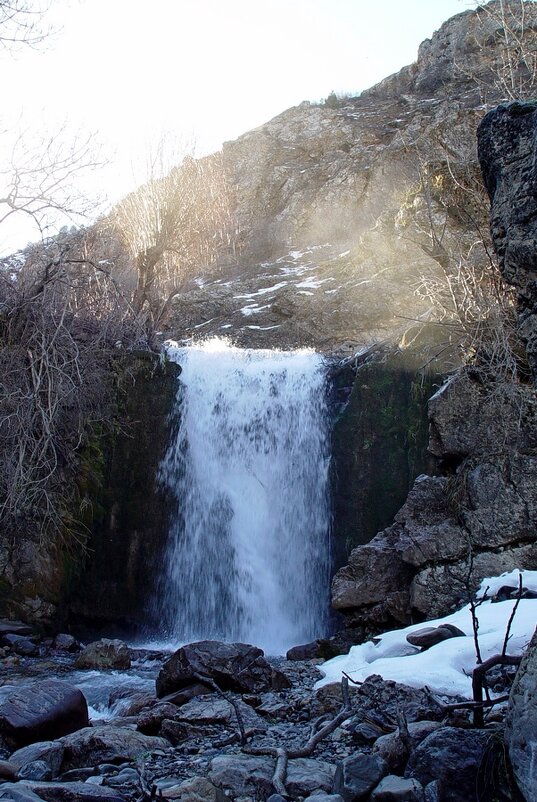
[398, 789]
[49, 752]
[247, 775]
[358, 775]
[94, 745]
[521, 724]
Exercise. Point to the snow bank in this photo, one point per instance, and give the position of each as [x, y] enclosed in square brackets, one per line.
[446, 668]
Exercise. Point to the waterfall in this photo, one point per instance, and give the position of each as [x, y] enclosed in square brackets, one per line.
[248, 553]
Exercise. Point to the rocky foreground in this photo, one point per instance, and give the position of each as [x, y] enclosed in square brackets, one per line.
[226, 723]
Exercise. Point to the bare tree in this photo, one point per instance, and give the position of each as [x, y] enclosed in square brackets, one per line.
[21, 22]
[60, 317]
[40, 181]
[175, 225]
[506, 38]
[462, 284]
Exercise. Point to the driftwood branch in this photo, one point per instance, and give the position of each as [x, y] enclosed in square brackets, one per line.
[233, 702]
[283, 755]
[469, 705]
[478, 679]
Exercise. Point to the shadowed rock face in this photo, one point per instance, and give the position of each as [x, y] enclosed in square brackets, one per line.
[485, 506]
[521, 730]
[507, 147]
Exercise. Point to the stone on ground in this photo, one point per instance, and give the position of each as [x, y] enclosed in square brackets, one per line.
[42, 711]
[105, 653]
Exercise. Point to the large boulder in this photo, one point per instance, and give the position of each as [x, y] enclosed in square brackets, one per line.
[48, 752]
[233, 666]
[521, 726]
[105, 653]
[195, 789]
[61, 792]
[213, 709]
[42, 711]
[452, 757]
[358, 775]
[106, 744]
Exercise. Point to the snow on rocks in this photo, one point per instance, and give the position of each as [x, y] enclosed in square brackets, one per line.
[447, 666]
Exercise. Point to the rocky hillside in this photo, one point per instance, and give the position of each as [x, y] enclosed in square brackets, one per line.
[347, 213]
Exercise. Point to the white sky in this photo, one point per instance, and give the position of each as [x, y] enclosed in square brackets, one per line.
[130, 70]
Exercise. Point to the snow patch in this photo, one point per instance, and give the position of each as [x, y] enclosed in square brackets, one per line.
[445, 668]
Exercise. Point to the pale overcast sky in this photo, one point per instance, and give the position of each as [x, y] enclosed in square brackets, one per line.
[128, 70]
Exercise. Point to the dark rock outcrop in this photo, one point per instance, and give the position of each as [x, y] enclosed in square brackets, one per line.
[358, 775]
[451, 757]
[507, 146]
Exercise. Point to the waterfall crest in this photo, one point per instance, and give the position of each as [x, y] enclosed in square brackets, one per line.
[248, 554]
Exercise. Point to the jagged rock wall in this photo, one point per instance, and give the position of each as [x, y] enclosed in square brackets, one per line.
[478, 519]
[521, 725]
[507, 146]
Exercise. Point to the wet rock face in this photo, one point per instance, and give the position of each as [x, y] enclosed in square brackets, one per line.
[111, 584]
[507, 145]
[521, 729]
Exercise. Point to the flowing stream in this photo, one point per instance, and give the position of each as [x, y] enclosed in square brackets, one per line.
[248, 554]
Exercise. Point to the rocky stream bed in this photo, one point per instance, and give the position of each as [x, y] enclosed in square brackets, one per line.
[220, 721]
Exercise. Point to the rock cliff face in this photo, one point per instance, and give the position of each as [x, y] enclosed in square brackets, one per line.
[521, 726]
[480, 516]
[507, 145]
[347, 217]
[477, 520]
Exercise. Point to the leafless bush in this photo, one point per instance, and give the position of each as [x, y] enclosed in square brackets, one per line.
[174, 226]
[60, 321]
[21, 22]
[461, 283]
[506, 36]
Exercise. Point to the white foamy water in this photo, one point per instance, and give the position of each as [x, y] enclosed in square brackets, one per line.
[248, 556]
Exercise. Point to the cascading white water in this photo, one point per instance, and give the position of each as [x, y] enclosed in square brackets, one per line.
[248, 557]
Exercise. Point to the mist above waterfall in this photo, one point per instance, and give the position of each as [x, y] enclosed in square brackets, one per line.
[248, 553]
